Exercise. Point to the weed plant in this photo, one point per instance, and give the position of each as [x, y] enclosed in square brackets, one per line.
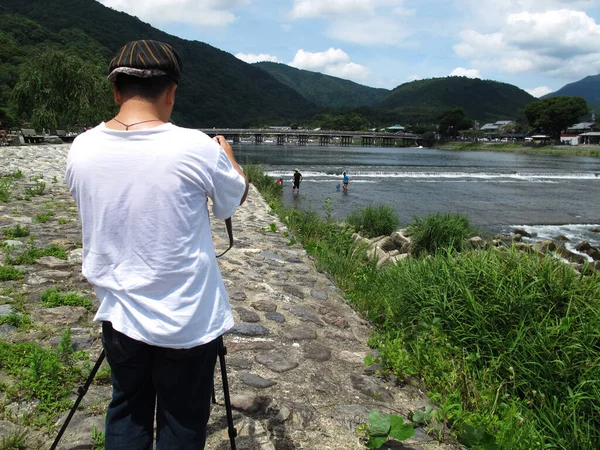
[21, 321]
[436, 232]
[5, 189]
[8, 273]
[37, 189]
[268, 187]
[44, 217]
[14, 440]
[15, 232]
[52, 297]
[373, 221]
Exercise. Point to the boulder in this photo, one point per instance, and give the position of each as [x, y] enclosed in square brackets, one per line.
[595, 230]
[585, 247]
[569, 255]
[52, 140]
[405, 248]
[399, 239]
[376, 239]
[522, 232]
[382, 261]
[386, 244]
[517, 237]
[562, 238]
[476, 242]
[401, 257]
[544, 246]
[523, 247]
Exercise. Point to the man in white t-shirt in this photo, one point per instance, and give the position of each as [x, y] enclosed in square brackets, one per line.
[141, 185]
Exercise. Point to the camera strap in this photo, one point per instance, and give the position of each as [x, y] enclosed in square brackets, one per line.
[230, 234]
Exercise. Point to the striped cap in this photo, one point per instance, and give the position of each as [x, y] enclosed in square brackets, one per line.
[146, 59]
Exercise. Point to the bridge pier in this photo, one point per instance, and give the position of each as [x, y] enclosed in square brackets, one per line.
[302, 139]
[280, 139]
[387, 142]
[367, 141]
[346, 141]
[258, 139]
[324, 141]
[236, 138]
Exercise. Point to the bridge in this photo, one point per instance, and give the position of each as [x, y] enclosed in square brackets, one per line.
[323, 137]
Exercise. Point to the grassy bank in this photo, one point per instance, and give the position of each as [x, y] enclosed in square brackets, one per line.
[506, 343]
[558, 150]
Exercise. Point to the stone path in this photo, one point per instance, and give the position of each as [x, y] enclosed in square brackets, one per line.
[295, 362]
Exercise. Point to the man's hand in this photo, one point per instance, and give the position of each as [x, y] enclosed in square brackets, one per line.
[229, 152]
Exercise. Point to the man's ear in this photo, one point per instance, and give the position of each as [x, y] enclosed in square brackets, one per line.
[170, 97]
[116, 95]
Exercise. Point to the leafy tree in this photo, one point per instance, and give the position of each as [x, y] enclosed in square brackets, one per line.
[57, 89]
[555, 114]
[453, 121]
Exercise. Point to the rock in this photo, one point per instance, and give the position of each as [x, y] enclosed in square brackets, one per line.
[300, 333]
[249, 329]
[54, 274]
[317, 352]
[277, 360]
[264, 305]
[589, 250]
[517, 237]
[63, 315]
[394, 253]
[52, 140]
[11, 243]
[239, 363]
[238, 296]
[255, 381]
[75, 256]
[52, 262]
[356, 358]
[275, 317]
[544, 246]
[6, 330]
[6, 310]
[405, 248]
[303, 314]
[247, 316]
[399, 239]
[569, 255]
[351, 416]
[248, 403]
[293, 290]
[476, 242]
[521, 246]
[272, 256]
[386, 244]
[384, 260]
[400, 257]
[240, 346]
[522, 232]
[319, 294]
[562, 238]
[7, 428]
[335, 320]
[34, 279]
[369, 387]
[376, 239]
[595, 230]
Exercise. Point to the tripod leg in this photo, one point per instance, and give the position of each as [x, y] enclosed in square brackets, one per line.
[231, 429]
[81, 391]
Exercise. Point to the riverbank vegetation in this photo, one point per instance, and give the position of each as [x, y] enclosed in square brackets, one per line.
[506, 343]
[510, 147]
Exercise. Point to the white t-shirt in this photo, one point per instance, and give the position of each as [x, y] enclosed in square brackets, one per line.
[147, 245]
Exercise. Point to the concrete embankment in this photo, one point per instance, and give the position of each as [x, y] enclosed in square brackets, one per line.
[295, 361]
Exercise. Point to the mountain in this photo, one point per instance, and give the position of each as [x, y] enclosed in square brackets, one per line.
[588, 88]
[324, 90]
[216, 88]
[483, 100]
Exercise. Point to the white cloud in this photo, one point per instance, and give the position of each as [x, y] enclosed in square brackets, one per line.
[558, 43]
[462, 72]
[539, 91]
[333, 62]
[253, 58]
[413, 77]
[365, 22]
[194, 12]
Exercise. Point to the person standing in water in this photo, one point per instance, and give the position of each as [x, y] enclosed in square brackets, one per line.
[296, 182]
[345, 181]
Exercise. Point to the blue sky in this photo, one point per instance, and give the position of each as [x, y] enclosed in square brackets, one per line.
[538, 45]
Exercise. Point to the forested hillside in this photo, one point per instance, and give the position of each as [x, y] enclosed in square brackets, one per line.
[324, 90]
[483, 100]
[216, 88]
[588, 88]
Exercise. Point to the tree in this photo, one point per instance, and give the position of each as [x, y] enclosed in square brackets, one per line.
[56, 89]
[453, 121]
[554, 115]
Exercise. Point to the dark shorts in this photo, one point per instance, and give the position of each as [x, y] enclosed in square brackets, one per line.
[296, 185]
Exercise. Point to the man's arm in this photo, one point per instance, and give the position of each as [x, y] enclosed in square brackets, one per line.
[229, 152]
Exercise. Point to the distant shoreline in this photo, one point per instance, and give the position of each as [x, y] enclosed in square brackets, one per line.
[555, 150]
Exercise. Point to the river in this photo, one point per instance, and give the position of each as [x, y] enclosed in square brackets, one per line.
[549, 195]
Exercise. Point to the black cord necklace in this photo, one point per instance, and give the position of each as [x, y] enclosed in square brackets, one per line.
[136, 123]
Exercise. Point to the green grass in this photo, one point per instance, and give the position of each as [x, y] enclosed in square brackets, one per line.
[14, 440]
[52, 298]
[32, 253]
[17, 320]
[506, 343]
[511, 147]
[15, 232]
[8, 273]
[44, 217]
[40, 374]
[373, 221]
[5, 189]
[37, 189]
[436, 232]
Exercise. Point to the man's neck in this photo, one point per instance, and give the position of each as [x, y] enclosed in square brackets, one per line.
[135, 111]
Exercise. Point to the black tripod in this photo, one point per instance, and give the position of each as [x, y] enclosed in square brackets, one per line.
[82, 390]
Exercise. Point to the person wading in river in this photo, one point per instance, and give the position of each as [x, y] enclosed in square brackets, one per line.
[296, 182]
[141, 186]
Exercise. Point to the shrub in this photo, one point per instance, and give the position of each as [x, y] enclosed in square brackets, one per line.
[52, 298]
[436, 232]
[374, 221]
[267, 186]
[15, 232]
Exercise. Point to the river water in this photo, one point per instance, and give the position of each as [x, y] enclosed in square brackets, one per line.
[550, 195]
